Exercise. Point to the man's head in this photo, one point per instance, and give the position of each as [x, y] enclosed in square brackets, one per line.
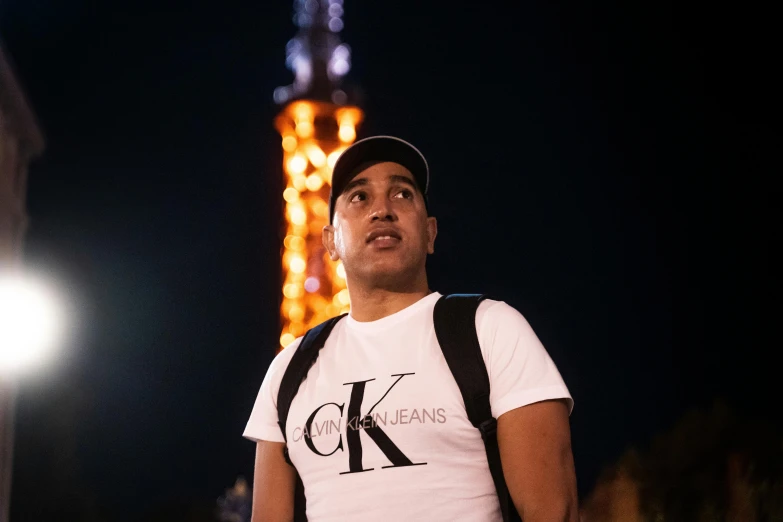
[379, 224]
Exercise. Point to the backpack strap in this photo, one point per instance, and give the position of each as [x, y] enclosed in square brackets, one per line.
[296, 372]
[455, 328]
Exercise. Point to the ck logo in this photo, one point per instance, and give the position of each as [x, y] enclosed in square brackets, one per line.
[356, 421]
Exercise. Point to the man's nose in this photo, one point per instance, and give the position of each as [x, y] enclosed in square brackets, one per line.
[382, 211]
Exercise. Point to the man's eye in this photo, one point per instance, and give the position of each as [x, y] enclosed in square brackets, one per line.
[405, 193]
[357, 196]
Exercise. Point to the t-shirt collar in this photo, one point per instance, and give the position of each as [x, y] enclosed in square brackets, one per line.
[395, 318]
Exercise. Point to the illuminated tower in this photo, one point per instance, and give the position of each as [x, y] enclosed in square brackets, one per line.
[316, 124]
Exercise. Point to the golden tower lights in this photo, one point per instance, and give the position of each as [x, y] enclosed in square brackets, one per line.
[316, 124]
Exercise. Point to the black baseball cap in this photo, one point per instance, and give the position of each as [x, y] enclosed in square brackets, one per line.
[374, 149]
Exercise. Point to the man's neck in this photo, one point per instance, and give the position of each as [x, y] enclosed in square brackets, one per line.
[373, 304]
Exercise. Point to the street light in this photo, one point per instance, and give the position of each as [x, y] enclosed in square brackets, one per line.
[31, 324]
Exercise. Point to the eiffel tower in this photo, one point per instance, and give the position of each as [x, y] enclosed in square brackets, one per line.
[317, 121]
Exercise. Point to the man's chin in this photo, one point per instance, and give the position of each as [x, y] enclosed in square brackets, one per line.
[389, 276]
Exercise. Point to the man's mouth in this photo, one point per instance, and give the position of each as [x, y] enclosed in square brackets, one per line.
[383, 235]
[384, 242]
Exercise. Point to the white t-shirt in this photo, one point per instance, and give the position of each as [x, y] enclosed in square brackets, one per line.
[378, 430]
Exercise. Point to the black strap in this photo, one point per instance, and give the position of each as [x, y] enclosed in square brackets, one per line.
[300, 501]
[300, 364]
[296, 372]
[455, 327]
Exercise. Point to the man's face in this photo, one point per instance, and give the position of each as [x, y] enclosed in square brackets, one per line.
[380, 230]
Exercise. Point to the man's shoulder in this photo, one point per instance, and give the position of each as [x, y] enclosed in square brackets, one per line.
[494, 308]
[284, 356]
[494, 315]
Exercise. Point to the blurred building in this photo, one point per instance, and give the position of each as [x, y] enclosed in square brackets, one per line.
[20, 141]
[617, 498]
[713, 464]
[614, 499]
[237, 503]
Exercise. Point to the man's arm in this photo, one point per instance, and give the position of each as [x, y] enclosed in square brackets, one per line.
[535, 450]
[273, 485]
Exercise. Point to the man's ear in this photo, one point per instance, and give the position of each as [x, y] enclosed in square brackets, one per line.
[432, 231]
[327, 238]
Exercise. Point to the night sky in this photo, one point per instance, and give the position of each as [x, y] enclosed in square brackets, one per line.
[604, 168]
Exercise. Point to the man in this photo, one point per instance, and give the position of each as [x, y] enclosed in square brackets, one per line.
[383, 361]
